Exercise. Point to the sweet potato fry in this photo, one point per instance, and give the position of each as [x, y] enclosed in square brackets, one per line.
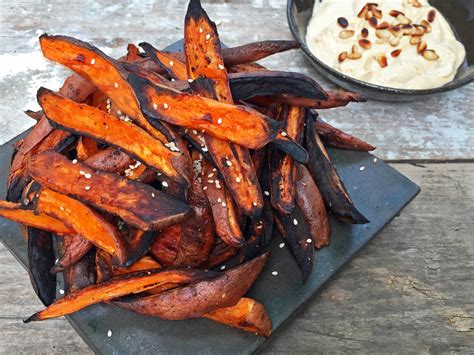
[86, 147]
[325, 175]
[248, 315]
[339, 98]
[283, 167]
[85, 221]
[335, 138]
[233, 161]
[153, 77]
[137, 204]
[16, 213]
[218, 119]
[40, 261]
[221, 253]
[102, 126]
[268, 82]
[311, 204]
[223, 207]
[81, 274]
[195, 300]
[74, 248]
[176, 68]
[248, 53]
[36, 115]
[295, 231]
[165, 246]
[118, 286]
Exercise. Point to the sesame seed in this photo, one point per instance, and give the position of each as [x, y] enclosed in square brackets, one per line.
[237, 179]
[208, 37]
[87, 188]
[171, 63]
[210, 175]
[155, 106]
[61, 208]
[165, 105]
[223, 204]
[74, 161]
[61, 291]
[221, 67]
[116, 85]
[190, 80]
[375, 160]
[195, 132]
[109, 333]
[219, 200]
[119, 113]
[152, 194]
[229, 163]
[92, 61]
[204, 188]
[282, 245]
[274, 273]
[283, 133]
[309, 240]
[219, 121]
[266, 193]
[255, 204]
[223, 267]
[362, 168]
[82, 172]
[295, 222]
[172, 79]
[210, 181]
[165, 184]
[201, 30]
[87, 176]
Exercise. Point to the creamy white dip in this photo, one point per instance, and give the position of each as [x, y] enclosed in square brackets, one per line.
[383, 63]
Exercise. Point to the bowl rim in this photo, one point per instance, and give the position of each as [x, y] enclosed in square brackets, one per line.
[454, 84]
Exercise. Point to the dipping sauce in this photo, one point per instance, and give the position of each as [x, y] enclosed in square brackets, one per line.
[404, 44]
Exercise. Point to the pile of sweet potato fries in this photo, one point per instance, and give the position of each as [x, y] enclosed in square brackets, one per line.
[144, 175]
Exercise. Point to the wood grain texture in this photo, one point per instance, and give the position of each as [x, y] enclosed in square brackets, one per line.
[409, 291]
[439, 127]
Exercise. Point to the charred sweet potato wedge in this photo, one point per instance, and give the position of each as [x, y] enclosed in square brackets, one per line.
[268, 82]
[222, 206]
[218, 119]
[40, 261]
[81, 274]
[84, 221]
[176, 68]
[248, 315]
[295, 231]
[327, 179]
[221, 253]
[118, 286]
[339, 98]
[335, 138]
[195, 300]
[311, 204]
[282, 166]
[165, 246]
[86, 147]
[29, 218]
[206, 67]
[73, 249]
[138, 204]
[111, 160]
[104, 127]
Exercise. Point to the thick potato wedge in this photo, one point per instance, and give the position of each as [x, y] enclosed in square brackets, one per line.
[206, 67]
[218, 119]
[173, 66]
[137, 204]
[74, 248]
[81, 274]
[221, 253]
[248, 315]
[195, 300]
[335, 138]
[295, 231]
[118, 286]
[40, 261]
[85, 221]
[311, 204]
[325, 175]
[268, 82]
[17, 213]
[102, 126]
[282, 166]
[225, 214]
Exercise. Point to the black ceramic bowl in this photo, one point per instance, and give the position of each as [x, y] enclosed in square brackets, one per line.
[460, 14]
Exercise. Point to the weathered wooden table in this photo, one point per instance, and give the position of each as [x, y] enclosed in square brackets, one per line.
[410, 291]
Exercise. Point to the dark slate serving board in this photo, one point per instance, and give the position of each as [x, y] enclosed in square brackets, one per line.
[379, 191]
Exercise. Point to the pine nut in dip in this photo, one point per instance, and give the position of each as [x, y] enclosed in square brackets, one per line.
[427, 52]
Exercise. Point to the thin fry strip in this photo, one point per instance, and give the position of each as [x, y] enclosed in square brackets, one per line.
[335, 138]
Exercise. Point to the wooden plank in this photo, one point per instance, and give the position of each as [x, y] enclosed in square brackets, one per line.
[439, 127]
[410, 290]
